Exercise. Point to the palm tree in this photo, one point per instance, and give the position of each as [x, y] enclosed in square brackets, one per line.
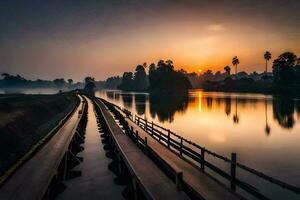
[235, 62]
[267, 57]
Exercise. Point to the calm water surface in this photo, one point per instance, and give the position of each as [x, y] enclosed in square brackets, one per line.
[263, 130]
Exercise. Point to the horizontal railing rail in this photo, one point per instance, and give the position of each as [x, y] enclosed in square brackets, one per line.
[178, 144]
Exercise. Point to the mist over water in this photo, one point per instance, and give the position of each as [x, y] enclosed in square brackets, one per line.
[263, 130]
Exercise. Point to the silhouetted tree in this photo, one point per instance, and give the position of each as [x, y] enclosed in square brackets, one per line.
[70, 81]
[141, 82]
[283, 69]
[235, 62]
[89, 79]
[227, 70]
[113, 82]
[267, 57]
[127, 81]
[89, 86]
[165, 80]
[59, 82]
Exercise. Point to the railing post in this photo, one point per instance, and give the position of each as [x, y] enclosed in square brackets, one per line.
[202, 158]
[131, 131]
[181, 144]
[138, 121]
[145, 125]
[233, 171]
[146, 145]
[137, 138]
[152, 128]
[168, 138]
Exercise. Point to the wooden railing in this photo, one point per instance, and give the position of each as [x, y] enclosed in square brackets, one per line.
[197, 155]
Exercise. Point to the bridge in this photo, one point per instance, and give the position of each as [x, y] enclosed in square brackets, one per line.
[100, 151]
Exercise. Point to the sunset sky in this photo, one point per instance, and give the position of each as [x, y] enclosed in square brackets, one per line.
[73, 39]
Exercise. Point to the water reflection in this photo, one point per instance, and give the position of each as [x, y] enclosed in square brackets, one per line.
[262, 129]
[140, 103]
[127, 100]
[236, 117]
[165, 107]
[267, 127]
[227, 106]
[283, 109]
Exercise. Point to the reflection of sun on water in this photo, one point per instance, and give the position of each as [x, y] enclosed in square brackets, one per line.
[200, 101]
[217, 138]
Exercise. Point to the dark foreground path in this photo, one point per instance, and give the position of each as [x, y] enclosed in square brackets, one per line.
[96, 181]
[32, 179]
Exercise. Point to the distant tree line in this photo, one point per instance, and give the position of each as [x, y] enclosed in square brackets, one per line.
[17, 81]
[284, 78]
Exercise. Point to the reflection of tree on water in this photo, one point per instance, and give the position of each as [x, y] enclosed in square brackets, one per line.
[267, 127]
[166, 106]
[228, 105]
[127, 100]
[236, 118]
[140, 103]
[209, 102]
[110, 95]
[283, 111]
[117, 96]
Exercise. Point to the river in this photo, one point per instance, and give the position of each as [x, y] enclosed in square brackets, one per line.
[263, 130]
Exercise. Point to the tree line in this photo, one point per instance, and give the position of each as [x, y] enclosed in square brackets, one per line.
[161, 78]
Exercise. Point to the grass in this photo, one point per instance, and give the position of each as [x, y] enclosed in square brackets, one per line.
[25, 119]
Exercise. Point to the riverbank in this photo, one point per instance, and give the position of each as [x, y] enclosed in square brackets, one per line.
[249, 86]
[25, 119]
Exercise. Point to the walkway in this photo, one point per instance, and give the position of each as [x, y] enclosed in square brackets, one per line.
[96, 181]
[199, 182]
[32, 179]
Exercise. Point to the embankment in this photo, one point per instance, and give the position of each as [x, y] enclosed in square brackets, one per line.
[26, 119]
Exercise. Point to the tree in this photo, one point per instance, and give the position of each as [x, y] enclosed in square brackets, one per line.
[89, 85]
[145, 65]
[141, 82]
[267, 57]
[89, 79]
[127, 81]
[165, 80]
[70, 81]
[59, 82]
[227, 70]
[235, 62]
[284, 69]
[152, 68]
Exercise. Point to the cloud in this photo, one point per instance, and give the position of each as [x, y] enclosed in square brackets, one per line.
[215, 27]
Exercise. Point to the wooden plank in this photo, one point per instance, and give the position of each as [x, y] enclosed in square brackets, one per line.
[154, 183]
[199, 182]
[32, 179]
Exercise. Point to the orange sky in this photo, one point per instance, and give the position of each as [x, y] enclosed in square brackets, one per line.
[104, 39]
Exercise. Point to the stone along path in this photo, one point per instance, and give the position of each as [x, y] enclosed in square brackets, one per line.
[96, 181]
